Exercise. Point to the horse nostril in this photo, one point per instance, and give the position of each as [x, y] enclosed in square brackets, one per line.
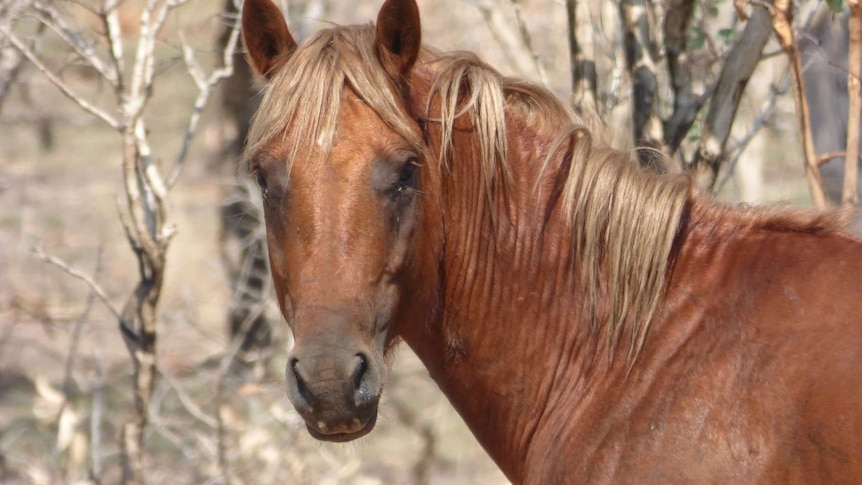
[363, 393]
[300, 383]
[359, 371]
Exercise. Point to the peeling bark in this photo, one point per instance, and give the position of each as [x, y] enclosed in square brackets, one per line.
[646, 125]
[685, 104]
[582, 56]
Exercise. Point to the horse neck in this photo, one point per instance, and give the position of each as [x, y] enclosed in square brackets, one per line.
[507, 332]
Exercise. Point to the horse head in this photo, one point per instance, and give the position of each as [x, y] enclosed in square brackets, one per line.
[340, 185]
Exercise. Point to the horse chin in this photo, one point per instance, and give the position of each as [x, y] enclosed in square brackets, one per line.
[339, 435]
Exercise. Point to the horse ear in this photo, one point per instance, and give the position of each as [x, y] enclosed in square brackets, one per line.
[399, 37]
[268, 42]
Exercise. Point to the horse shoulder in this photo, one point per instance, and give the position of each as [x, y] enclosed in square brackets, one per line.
[750, 374]
[780, 313]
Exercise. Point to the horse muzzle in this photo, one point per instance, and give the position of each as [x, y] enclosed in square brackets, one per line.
[335, 390]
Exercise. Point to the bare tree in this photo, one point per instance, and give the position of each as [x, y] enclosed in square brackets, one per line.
[673, 50]
[146, 211]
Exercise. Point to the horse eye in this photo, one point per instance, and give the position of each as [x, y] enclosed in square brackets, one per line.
[405, 177]
[261, 182]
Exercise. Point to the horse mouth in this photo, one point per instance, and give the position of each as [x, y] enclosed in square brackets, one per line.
[340, 434]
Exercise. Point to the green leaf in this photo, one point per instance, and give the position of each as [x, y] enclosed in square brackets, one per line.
[836, 5]
[696, 38]
[726, 36]
[694, 132]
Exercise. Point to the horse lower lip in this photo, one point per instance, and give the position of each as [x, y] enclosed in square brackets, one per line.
[342, 437]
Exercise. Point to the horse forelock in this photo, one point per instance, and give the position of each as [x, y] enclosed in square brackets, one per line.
[300, 106]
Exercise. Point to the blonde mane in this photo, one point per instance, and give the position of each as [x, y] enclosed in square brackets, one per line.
[624, 222]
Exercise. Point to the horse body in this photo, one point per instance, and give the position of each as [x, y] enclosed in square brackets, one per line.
[743, 346]
[590, 322]
[745, 379]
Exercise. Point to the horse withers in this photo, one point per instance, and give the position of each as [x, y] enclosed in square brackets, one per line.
[590, 321]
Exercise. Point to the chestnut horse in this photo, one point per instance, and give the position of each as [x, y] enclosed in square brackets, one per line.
[590, 321]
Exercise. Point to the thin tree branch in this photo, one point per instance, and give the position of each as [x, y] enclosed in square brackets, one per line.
[96, 410]
[39, 252]
[227, 362]
[76, 329]
[205, 87]
[113, 33]
[826, 157]
[849, 196]
[10, 66]
[187, 401]
[59, 83]
[782, 23]
[68, 368]
[763, 117]
[49, 17]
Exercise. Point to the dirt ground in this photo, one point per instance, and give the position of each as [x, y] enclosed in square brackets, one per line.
[59, 186]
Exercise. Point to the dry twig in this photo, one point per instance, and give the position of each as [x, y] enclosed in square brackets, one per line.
[97, 290]
[763, 117]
